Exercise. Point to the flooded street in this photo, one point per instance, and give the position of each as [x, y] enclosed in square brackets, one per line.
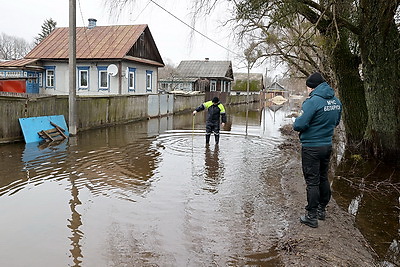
[146, 194]
[152, 193]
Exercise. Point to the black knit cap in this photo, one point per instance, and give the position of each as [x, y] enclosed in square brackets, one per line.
[215, 100]
[314, 80]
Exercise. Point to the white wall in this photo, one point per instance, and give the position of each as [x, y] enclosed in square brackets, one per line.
[62, 79]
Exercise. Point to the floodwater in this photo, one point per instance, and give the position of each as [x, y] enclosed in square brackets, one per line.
[370, 191]
[152, 193]
[149, 193]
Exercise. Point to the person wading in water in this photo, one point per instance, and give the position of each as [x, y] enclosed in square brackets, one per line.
[215, 111]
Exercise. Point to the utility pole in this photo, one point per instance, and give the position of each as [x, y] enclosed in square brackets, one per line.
[247, 95]
[72, 67]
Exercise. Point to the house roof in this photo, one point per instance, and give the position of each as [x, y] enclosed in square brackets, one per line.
[275, 86]
[101, 42]
[178, 80]
[205, 69]
[18, 62]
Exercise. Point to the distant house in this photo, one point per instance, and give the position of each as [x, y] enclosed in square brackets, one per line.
[110, 60]
[200, 75]
[21, 76]
[276, 89]
[256, 82]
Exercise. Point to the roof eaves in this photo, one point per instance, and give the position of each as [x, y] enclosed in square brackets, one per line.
[143, 60]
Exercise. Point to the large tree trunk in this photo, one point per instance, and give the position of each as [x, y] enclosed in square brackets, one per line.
[345, 66]
[379, 46]
[351, 91]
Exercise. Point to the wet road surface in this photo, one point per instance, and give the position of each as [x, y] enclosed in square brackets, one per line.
[152, 193]
[146, 194]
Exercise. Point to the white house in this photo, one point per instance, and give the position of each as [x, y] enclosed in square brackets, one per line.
[111, 60]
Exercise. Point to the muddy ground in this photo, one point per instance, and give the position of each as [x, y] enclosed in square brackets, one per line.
[336, 241]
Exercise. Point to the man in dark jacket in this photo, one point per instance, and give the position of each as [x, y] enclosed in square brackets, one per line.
[215, 111]
[321, 113]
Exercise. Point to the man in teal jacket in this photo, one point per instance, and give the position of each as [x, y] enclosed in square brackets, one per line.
[215, 111]
[321, 113]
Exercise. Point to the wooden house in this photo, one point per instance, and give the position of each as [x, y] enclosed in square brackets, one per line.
[200, 75]
[110, 60]
[276, 89]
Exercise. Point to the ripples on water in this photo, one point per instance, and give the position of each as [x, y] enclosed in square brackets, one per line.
[126, 196]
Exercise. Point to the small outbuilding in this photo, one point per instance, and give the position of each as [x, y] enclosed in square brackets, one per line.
[275, 89]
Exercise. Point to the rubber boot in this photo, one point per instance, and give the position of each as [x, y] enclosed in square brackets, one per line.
[216, 139]
[208, 138]
[310, 219]
[321, 213]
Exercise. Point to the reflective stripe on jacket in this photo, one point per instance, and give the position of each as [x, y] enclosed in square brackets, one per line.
[214, 111]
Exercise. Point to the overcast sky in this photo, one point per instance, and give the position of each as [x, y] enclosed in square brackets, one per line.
[23, 18]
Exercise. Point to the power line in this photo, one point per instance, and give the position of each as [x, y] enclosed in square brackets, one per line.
[84, 31]
[194, 29]
[140, 13]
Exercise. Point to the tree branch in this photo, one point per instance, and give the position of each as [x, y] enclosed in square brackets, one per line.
[313, 16]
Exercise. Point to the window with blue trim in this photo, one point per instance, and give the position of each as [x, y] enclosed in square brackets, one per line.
[149, 80]
[131, 79]
[104, 80]
[50, 77]
[40, 79]
[83, 78]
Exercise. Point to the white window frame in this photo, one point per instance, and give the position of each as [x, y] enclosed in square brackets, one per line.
[213, 85]
[149, 80]
[131, 79]
[40, 79]
[101, 72]
[82, 70]
[50, 77]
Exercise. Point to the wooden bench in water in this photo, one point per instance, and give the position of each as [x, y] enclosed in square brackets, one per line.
[54, 134]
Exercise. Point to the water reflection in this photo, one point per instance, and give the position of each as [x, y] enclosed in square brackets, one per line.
[146, 194]
[369, 191]
[214, 168]
[152, 194]
[75, 223]
[273, 117]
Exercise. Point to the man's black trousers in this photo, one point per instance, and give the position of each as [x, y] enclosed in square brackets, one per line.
[315, 163]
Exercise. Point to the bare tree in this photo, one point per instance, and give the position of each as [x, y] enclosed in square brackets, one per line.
[168, 71]
[343, 36]
[12, 47]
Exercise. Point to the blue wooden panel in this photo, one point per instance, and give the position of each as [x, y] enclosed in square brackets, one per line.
[31, 126]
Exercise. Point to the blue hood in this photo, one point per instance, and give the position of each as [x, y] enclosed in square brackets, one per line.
[323, 90]
[321, 113]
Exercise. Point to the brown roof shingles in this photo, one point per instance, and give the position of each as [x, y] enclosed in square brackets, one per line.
[101, 42]
[18, 63]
